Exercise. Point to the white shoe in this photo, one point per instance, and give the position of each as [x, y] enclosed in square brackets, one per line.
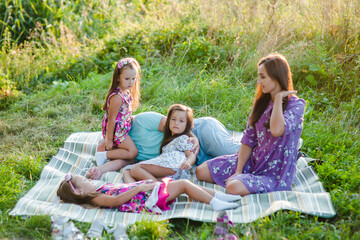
[96, 228]
[119, 232]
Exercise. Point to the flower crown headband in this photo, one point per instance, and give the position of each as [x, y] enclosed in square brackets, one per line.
[68, 179]
[123, 62]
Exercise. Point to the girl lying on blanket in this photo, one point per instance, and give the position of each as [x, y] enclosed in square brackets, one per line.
[176, 157]
[139, 196]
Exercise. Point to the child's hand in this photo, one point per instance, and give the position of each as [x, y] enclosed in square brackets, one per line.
[185, 165]
[195, 143]
[109, 144]
[145, 187]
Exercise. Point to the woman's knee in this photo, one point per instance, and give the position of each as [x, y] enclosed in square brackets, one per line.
[202, 172]
[236, 187]
[199, 172]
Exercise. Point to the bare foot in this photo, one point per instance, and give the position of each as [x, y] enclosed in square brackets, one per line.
[94, 173]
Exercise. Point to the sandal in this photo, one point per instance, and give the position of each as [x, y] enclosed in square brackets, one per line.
[119, 232]
[96, 228]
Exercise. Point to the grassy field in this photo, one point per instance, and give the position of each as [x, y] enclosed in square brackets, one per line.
[53, 80]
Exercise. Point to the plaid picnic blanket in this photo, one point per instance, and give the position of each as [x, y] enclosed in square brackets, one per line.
[307, 195]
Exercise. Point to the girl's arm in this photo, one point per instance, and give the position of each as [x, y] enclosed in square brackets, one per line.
[277, 120]
[115, 104]
[195, 141]
[191, 158]
[104, 200]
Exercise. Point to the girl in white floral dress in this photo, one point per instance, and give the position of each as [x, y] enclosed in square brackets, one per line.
[176, 158]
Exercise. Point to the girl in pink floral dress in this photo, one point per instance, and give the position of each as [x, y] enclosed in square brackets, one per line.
[140, 196]
[122, 98]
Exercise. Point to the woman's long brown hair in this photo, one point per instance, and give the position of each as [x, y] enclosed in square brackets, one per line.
[278, 69]
[168, 137]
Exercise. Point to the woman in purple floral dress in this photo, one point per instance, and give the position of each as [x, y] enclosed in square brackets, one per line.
[266, 160]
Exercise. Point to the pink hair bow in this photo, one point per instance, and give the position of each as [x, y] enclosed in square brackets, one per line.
[68, 179]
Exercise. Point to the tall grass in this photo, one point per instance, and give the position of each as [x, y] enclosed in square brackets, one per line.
[232, 34]
[200, 53]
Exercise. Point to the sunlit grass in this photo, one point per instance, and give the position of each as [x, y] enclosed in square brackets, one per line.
[200, 53]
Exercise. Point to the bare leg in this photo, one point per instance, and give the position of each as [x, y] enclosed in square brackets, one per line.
[194, 191]
[126, 150]
[203, 173]
[149, 171]
[101, 145]
[198, 194]
[114, 165]
[236, 187]
[221, 195]
[127, 177]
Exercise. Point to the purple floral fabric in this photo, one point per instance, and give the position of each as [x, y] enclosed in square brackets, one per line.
[272, 163]
[123, 119]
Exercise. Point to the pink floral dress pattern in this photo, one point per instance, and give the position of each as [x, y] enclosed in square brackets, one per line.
[136, 204]
[123, 119]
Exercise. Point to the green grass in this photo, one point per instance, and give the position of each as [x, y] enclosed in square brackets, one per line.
[199, 53]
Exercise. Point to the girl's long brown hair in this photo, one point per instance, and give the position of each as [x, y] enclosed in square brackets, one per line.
[67, 195]
[134, 91]
[278, 69]
[168, 137]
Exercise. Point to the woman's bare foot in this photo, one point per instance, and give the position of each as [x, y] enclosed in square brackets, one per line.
[94, 173]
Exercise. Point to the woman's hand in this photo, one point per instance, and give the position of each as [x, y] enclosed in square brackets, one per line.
[185, 165]
[283, 94]
[277, 120]
[232, 176]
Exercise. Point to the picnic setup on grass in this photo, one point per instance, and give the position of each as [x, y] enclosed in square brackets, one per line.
[307, 194]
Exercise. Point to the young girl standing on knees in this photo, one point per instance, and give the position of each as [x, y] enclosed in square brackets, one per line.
[122, 98]
[266, 160]
[175, 148]
[139, 196]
